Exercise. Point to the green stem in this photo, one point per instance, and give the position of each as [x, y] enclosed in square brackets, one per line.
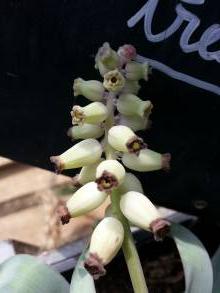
[129, 248]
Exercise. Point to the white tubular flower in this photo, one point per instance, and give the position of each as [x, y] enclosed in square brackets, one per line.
[114, 81]
[81, 154]
[127, 53]
[87, 174]
[136, 123]
[141, 212]
[131, 183]
[147, 160]
[106, 240]
[91, 89]
[136, 71]
[86, 131]
[106, 59]
[109, 174]
[123, 139]
[129, 104]
[93, 113]
[84, 200]
[131, 87]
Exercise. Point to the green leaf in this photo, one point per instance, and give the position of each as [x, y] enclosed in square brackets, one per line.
[196, 262]
[26, 274]
[216, 271]
[82, 281]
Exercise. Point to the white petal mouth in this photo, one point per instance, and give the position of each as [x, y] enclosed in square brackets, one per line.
[77, 115]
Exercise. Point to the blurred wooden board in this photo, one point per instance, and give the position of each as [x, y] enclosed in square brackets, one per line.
[28, 201]
[17, 180]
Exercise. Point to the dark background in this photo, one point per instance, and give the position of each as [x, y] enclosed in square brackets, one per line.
[45, 44]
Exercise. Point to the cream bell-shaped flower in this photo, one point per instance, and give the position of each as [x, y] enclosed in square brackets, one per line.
[109, 174]
[147, 160]
[136, 123]
[131, 183]
[84, 131]
[106, 59]
[129, 104]
[136, 71]
[141, 212]
[123, 139]
[81, 154]
[131, 87]
[114, 81]
[86, 174]
[106, 240]
[84, 200]
[93, 113]
[93, 90]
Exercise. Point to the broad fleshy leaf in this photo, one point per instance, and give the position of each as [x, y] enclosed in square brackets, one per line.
[26, 274]
[82, 281]
[216, 271]
[196, 262]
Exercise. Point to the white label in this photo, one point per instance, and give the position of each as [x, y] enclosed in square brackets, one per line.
[210, 36]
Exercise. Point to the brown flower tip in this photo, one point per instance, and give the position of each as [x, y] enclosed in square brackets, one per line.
[75, 181]
[63, 214]
[135, 145]
[166, 161]
[160, 228]
[94, 266]
[57, 163]
[106, 182]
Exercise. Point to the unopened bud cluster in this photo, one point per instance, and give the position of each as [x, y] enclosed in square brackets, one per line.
[103, 128]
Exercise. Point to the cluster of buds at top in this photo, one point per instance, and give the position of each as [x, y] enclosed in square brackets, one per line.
[101, 173]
